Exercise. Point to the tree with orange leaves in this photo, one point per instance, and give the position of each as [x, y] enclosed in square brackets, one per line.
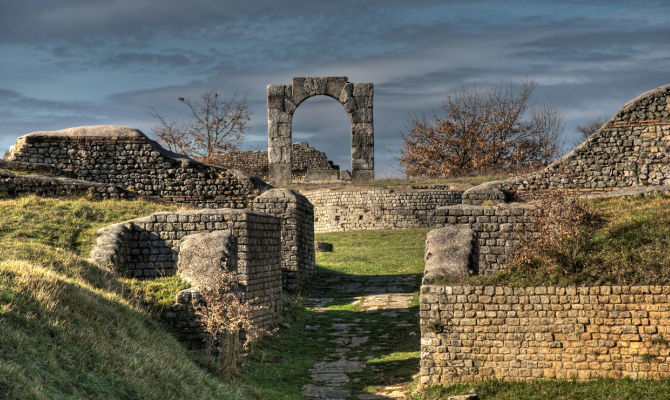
[483, 130]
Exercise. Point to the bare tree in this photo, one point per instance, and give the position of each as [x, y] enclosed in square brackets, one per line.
[587, 129]
[216, 126]
[482, 130]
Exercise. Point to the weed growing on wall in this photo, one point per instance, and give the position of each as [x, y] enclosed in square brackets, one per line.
[616, 241]
[222, 313]
[558, 234]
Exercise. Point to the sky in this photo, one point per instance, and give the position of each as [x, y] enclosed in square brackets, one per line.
[86, 62]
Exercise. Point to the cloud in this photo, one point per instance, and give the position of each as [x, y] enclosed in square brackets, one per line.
[173, 60]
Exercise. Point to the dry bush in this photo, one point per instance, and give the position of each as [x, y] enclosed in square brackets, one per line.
[557, 240]
[217, 125]
[483, 129]
[224, 313]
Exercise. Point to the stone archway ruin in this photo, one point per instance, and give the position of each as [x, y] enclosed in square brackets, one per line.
[282, 103]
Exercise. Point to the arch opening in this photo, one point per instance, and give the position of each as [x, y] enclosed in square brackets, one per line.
[321, 141]
[282, 103]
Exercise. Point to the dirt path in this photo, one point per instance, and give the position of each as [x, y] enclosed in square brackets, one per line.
[381, 314]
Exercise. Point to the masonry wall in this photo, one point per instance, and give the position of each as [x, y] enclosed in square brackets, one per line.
[338, 210]
[148, 247]
[297, 235]
[474, 333]
[496, 230]
[126, 157]
[12, 185]
[631, 149]
[255, 162]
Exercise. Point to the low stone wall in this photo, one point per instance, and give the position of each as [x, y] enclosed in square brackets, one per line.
[496, 230]
[297, 235]
[148, 247]
[255, 162]
[475, 333]
[12, 185]
[338, 210]
[126, 157]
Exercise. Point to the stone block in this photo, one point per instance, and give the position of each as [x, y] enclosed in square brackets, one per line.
[449, 253]
[323, 247]
[202, 257]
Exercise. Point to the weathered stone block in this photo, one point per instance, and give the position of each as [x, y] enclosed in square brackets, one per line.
[202, 257]
[449, 253]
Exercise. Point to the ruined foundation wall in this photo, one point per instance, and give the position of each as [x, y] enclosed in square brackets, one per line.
[148, 247]
[475, 333]
[126, 157]
[12, 185]
[339, 210]
[496, 230]
[255, 162]
[297, 235]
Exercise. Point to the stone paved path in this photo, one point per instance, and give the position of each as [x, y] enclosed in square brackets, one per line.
[388, 295]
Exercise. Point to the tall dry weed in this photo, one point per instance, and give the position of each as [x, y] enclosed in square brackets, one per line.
[223, 312]
[557, 241]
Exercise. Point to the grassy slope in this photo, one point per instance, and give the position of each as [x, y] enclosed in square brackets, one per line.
[69, 329]
[627, 244]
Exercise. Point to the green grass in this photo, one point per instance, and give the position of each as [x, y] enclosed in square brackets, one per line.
[72, 330]
[391, 252]
[601, 389]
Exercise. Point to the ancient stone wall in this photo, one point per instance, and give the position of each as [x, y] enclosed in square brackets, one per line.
[476, 333]
[255, 162]
[148, 247]
[12, 185]
[631, 149]
[496, 230]
[338, 210]
[297, 235]
[126, 157]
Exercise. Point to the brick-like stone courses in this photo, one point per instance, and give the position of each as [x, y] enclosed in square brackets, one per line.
[185, 322]
[632, 149]
[227, 347]
[357, 101]
[12, 185]
[496, 230]
[148, 247]
[126, 157]
[255, 162]
[475, 333]
[368, 209]
[297, 236]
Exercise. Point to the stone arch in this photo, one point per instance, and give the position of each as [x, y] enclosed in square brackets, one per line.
[356, 98]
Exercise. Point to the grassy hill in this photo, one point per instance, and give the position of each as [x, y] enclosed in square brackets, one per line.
[69, 329]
